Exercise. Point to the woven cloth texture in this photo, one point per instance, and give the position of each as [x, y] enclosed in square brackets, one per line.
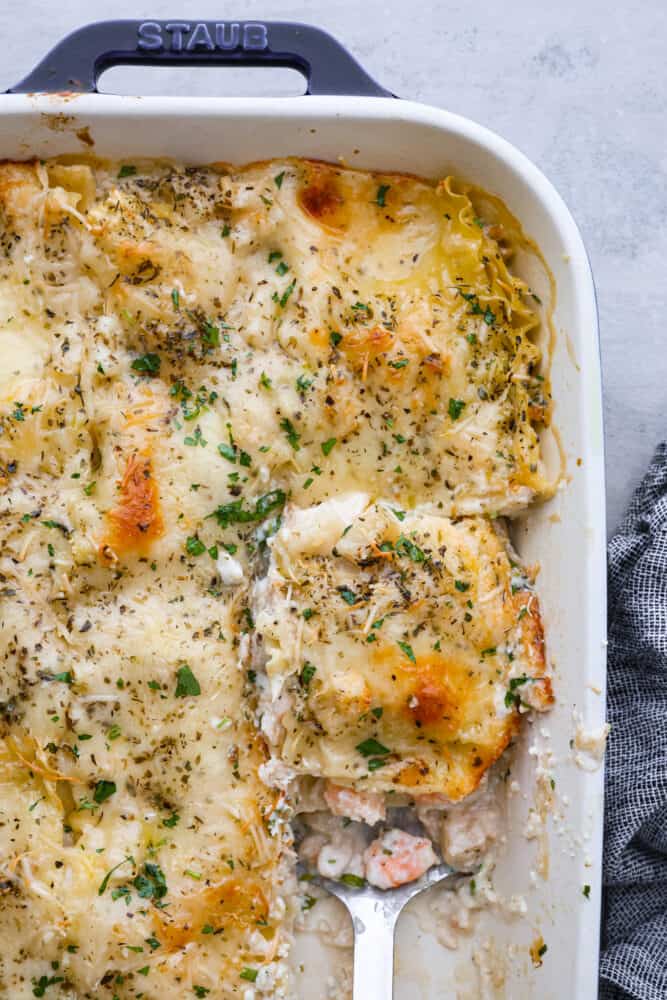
[634, 934]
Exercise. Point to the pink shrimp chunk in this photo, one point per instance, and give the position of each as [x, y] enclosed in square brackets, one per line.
[396, 858]
[365, 807]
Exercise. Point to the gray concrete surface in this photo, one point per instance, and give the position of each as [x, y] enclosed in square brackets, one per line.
[579, 85]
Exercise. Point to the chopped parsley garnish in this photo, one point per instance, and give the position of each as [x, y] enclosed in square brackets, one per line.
[328, 445]
[194, 546]
[41, 985]
[192, 440]
[200, 991]
[512, 696]
[176, 298]
[105, 881]
[58, 525]
[290, 430]
[408, 650]
[587, 891]
[335, 338]
[377, 712]
[127, 170]
[348, 595]
[265, 381]
[151, 884]
[476, 309]
[380, 197]
[147, 364]
[171, 821]
[356, 881]
[187, 684]
[372, 748]
[282, 268]
[283, 299]
[249, 974]
[233, 513]
[455, 408]
[307, 613]
[228, 451]
[461, 586]
[303, 383]
[307, 673]
[401, 363]
[400, 514]
[210, 333]
[278, 179]
[104, 790]
[404, 547]
[226, 230]
[89, 488]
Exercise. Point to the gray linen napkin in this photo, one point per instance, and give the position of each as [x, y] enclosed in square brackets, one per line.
[634, 933]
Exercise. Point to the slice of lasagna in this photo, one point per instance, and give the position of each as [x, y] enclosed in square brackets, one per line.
[399, 649]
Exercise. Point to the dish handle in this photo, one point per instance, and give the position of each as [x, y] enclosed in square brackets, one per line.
[77, 62]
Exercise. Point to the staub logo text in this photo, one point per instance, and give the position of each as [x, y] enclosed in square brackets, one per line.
[202, 36]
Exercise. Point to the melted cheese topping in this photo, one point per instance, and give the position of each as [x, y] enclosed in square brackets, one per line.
[399, 647]
[181, 350]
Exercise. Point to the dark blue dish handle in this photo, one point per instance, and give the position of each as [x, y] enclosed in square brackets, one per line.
[76, 63]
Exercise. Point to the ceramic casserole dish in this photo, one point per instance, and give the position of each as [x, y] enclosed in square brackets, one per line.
[347, 116]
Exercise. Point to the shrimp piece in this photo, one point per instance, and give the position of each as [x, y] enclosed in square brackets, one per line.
[397, 857]
[365, 807]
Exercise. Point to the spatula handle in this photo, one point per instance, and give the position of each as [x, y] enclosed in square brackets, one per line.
[373, 950]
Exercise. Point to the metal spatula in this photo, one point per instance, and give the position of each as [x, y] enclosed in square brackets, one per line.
[374, 914]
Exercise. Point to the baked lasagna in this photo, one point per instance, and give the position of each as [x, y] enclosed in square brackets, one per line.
[259, 431]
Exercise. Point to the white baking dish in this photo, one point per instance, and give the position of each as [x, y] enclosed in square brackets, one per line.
[567, 535]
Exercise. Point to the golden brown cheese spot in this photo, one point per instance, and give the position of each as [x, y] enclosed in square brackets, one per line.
[321, 196]
[363, 345]
[19, 186]
[430, 692]
[137, 520]
[413, 774]
[234, 905]
[432, 702]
